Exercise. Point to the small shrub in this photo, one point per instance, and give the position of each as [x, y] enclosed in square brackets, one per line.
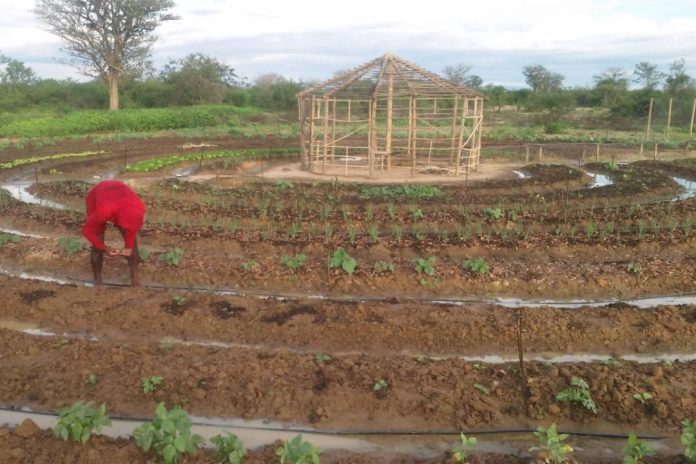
[688, 439]
[79, 421]
[342, 260]
[296, 451]
[578, 393]
[611, 165]
[477, 266]
[426, 266]
[551, 447]
[70, 245]
[461, 452]
[229, 449]
[151, 384]
[633, 268]
[9, 238]
[169, 434]
[635, 450]
[493, 213]
[293, 262]
[554, 127]
[173, 257]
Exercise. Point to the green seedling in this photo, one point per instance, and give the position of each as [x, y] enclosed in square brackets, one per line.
[321, 358]
[169, 434]
[167, 345]
[633, 268]
[482, 388]
[9, 238]
[461, 452]
[284, 185]
[178, 300]
[293, 262]
[144, 253]
[477, 266]
[643, 397]
[611, 165]
[381, 384]
[551, 449]
[635, 450]
[296, 451]
[493, 213]
[70, 245]
[229, 449]
[91, 379]
[416, 214]
[342, 260]
[80, 420]
[422, 359]
[613, 362]
[688, 439]
[384, 267]
[151, 384]
[426, 266]
[578, 393]
[250, 265]
[172, 258]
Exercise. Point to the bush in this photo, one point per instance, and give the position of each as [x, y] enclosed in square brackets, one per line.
[555, 127]
[169, 434]
[79, 421]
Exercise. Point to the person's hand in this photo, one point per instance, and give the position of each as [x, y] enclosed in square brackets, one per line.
[112, 252]
[127, 252]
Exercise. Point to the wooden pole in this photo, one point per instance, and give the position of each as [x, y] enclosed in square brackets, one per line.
[541, 153]
[412, 133]
[641, 150]
[372, 137]
[583, 152]
[669, 117]
[455, 115]
[526, 157]
[326, 134]
[301, 117]
[333, 132]
[647, 131]
[312, 161]
[693, 113]
[596, 156]
[465, 114]
[655, 153]
[390, 111]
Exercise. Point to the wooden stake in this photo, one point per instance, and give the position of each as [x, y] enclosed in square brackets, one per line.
[326, 134]
[333, 132]
[655, 154]
[583, 152]
[526, 158]
[312, 161]
[541, 153]
[596, 157]
[669, 117]
[641, 150]
[523, 370]
[458, 160]
[412, 132]
[647, 131]
[455, 115]
[693, 113]
[372, 145]
[390, 107]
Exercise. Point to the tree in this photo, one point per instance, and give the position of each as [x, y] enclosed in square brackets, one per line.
[14, 72]
[678, 80]
[647, 75]
[458, 74]
[612, 84]
[266, 80]
[496, 93]
[198, 78]
[106, 38]
[541, 79]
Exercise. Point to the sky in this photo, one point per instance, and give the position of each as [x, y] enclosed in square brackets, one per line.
[309, 40]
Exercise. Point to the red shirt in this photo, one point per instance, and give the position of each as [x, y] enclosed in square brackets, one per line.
[113, 201]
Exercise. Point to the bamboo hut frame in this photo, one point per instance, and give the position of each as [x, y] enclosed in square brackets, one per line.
[390, 117]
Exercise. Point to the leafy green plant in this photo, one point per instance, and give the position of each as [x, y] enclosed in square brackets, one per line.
[579, 393]
[321, 358]
[383, 267]
[283, 184]
[144, 253]
[379, 385]
[342, 260]
[493, 213]
[426, 266]
[476, 265]
[150, 384]
[80, 420]
[91, 379]
[551, 447]
[296, 451]
[401, 191]
[461, 452]
[250, 265]
[169, 434]
[482, 388]
[173, 257]
[643, 397]
[416, 214]
[178, 300]
[229, 449]
[613, 362]
[611, 165]
[9, 238]
[688, 439]
[422, 359]
[633, 268]
[293, 262]
[70, 245]
[635, 450]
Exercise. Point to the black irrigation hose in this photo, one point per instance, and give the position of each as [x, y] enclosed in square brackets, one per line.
[365, 433]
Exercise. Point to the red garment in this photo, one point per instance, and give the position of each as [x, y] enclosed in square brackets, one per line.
[113, 201]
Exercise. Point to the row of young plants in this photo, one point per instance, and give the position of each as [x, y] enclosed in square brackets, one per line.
[56, 157]
[155, 164]
[169, 436]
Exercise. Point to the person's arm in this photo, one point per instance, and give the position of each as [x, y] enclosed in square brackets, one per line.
[129, 238]
[93, 228]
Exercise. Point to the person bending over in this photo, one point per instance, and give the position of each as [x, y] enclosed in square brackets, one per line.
[113, 201]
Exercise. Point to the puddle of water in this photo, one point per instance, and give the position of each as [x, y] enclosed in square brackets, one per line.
[520, 174]
[19, 233]
[599, 180]
[184, 172]
[19, 191]
[689, 187]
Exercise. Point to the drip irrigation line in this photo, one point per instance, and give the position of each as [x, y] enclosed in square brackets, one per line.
[511, 302]
[358, 432]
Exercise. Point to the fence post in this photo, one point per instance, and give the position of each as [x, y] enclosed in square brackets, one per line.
[597, 153]
[526, 159]
[655, 154]
[541, 153]
[583, 152]
[641, 149]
